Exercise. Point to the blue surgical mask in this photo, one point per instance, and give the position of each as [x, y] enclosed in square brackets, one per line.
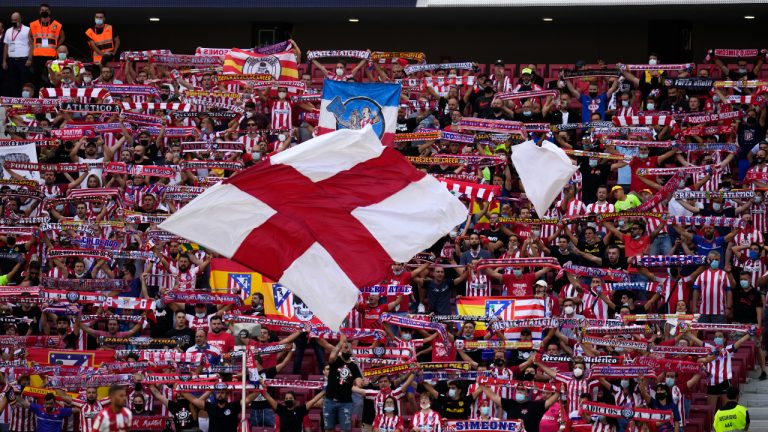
[753, 255]
[715, 264]
[98, 21]
[485, 410]
[625, 383]
[520, 397]
[517, 272]
[62, 56]
[716, 206]
[650, 106]
[744, 283]
[670, 382]
[593, 163]
[452, 393]
[718, 340]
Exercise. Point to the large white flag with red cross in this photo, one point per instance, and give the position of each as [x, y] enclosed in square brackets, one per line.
[323, 218]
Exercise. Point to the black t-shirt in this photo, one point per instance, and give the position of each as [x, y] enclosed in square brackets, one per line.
[495, 236]
[291, 420]
[563, 258]
[455, 409]
[186, 337]
[592, 178]
[735, 75]
[745, 304]
[406, 125]
[530, 412]
[340, 380]
[482, 106]
[597, 249]
[33, 313]
[224, 419]
[182, 414]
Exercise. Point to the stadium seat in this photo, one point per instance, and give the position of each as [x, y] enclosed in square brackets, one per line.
[555, 68]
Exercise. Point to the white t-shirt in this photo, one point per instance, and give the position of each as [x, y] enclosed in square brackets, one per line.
[17, 41]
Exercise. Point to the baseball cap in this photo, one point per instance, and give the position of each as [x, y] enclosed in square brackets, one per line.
[615, 188]
[526, 71]
[541, 283]
[646, 190]
[499, 62]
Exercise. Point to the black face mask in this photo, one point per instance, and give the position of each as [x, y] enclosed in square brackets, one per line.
[44, 14]
[346, 356]
[289, 404]
[593, 94]
[661, 396]
[528, 377]
[499, 362]
[138, 408]
[760, 160]
[751, 120]
[164, 97]
[496, 110]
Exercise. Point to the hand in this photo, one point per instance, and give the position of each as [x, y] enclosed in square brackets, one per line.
[28, 63]
[5, 65]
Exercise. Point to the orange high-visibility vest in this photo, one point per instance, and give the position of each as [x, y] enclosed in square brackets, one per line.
[103, 41]
[45, 39]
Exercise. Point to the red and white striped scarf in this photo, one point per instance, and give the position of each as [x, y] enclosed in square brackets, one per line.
[648, 120]
[50, 92]
[146, 106]
[472, 190]
[525, 94]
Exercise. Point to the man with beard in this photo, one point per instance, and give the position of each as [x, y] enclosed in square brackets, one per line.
[181, 330]
[89, 408]
[49, 416]
[219, 337]
[115, 417]
[113, 329]
[225, 415]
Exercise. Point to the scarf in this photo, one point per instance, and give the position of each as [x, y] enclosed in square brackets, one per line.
[57, 167]
[675, 170]
[520, 262]
[31, 184]
[598, 155]
[500, 126]
[429, 135]
[197, 297]
[623, 343]
[637, 414]
[488, 380]
[30, 341]
[491, 344]
[80, 93]
[385, 352]
[479, 425]
[733, 53]
[608, 274]
[356, 54]
[744, 100]
[454, 375]
[32, 102]
[129, 89]
[658, 317]
[141, 55]
[89, 253]
[648, 120]
[411, 323]
[715, 221]
[134, 255]
[122, 168]
[435, 81]
[472, 190]
[657, 67]
[525, 94]
[741, 328]
[612, 360]
[634, 143]
[706, 131]
[628, 330]
[392, 57]
[388, 290]
[152, 355]
[670, 260]
[181, 60]
[740, 84]
[529, 221]
[212, 146]
[142, 218]
[708, 118]
[106, 317]
[351, 333]
[462, 366]
[574, 126]
[387, 370]
[209, 386]
[280, 382]
[700, 84]
[212, 114]
[669, 365]
[96, 243]
[681, 350]
[619, 131]
[615, 372]
[450, 318]
[221, 165]
[89, 381]
[88, 107]
[434, 66]
[522, 323]
[741, 194]
[584, 73]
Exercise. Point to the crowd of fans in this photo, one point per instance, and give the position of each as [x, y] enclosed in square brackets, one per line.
[710, 293]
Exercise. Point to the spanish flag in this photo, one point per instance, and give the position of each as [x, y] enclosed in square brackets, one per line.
[282, 66]
[504, 308]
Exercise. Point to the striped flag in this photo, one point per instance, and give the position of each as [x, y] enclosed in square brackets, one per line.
[282, 65]
[351, 105]
[283, 300]
[471, 189]
[506, 308]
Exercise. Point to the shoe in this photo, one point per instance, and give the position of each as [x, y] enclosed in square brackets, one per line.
[763, 376]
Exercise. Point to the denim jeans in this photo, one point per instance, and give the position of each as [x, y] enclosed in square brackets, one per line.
[337, 413]
[661, 245]
[262, 417]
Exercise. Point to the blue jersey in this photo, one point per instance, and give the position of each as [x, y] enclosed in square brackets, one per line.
[590, 106]
[50, 421]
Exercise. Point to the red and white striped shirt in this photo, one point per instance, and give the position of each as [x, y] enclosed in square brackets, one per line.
[573, 208]
[574, 388]
[22, 419]
[378, 397]
[187, 279]
[427, 421]
[720, 368]
[755, 268]
[759, 220]
[110, 421]
[600, 207]
[675, 291]
[250, 143]
[88, 412]
[713, 184]
[483, 400]
[478, 285]
[652, 223]
[281, 115]
[5, 416]
[507, 392]
[388, 424]
[746, 237]
[713, 285]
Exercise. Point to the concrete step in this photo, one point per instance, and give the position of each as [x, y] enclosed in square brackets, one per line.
[754, 400]
[757, 425]
[758, 414]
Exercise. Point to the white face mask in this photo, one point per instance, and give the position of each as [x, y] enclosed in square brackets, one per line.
[98, 21]
[650, 106]
[425, 405]
[652, 61]
[625, 103]
[339, 71]
[485, 410]
[87, 79]
[389, 409]
[578, 372]
[26, 94]
[568, 310]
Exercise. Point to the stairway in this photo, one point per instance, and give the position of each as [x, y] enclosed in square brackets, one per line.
[754, 395]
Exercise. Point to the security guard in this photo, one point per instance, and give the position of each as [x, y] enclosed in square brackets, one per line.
[102, 38]
[47, 34]
[732, 417]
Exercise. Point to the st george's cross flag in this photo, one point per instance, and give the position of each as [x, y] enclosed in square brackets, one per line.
[352, 105]
[323, 218]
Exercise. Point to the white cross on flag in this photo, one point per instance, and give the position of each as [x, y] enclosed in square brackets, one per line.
[323, 218]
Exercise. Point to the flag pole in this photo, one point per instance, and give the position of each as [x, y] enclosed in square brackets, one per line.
[242, 393]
